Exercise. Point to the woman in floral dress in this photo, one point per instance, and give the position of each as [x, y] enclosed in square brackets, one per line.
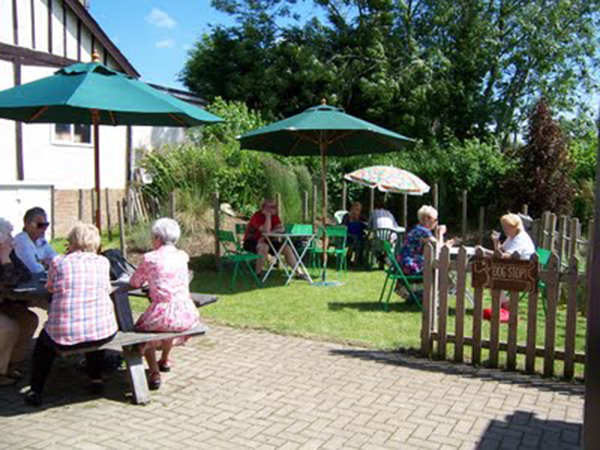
[171, 309]
[411, 257]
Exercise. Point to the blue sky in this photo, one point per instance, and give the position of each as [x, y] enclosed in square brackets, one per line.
[156, 35]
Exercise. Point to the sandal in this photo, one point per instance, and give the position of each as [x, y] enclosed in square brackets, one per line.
[164, 366]
[154, 382]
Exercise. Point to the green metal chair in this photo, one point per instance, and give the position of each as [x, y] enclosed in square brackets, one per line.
[543, 258]
[240, 230]
[233, 253]
[337, 247]
[395, 275]
[374, 244]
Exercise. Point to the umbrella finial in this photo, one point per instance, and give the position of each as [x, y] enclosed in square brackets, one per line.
[323, 101]
[95, 56]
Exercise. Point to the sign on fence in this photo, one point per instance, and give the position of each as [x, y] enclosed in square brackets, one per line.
[505, 274]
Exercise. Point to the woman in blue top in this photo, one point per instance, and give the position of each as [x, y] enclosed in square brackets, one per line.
[411, 257]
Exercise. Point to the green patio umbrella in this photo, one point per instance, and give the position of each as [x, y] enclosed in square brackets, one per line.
[326, 131]
[91, 93]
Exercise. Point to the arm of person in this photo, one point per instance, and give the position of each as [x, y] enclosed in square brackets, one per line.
[52, 275]
[49, 253]
[140, 276]
[26, 254]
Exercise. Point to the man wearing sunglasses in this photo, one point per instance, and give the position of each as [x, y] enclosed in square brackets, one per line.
[30, 245]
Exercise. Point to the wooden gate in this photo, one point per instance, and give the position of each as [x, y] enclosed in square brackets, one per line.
[446, 322]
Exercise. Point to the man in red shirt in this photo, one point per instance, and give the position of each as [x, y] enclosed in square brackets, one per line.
[265, 221]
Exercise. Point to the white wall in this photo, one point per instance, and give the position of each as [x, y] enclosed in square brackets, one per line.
[16, 199]
[151, 138]
[6, 22]
[25, 35]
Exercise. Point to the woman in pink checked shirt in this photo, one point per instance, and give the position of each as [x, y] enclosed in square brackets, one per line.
[171, 309]
[81, 313]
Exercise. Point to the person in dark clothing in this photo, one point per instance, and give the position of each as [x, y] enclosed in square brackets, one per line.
[17, 322]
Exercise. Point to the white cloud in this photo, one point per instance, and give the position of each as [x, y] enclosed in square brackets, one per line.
[160, 19]
[167, 43]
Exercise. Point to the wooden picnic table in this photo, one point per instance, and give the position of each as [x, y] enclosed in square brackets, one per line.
[127, 340]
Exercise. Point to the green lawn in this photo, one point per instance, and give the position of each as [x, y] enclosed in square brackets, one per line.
[350, 312]
[347, 313]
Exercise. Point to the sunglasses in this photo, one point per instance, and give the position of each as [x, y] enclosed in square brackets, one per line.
[41, 225]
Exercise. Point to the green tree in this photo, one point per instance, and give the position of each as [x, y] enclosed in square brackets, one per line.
[542, 178]
[420, 67]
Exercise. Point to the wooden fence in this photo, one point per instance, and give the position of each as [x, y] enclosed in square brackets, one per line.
[439, 332]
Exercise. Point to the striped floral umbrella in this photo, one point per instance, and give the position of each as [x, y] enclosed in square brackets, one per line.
[389, 179]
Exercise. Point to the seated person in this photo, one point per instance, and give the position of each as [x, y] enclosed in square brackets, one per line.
[517, 241]
[17, 322]
[357, 225]
[81, 313]
[382, 218]
[30, 245]
[264, 221]
[171, 308]
[517, 238]
[411, 257]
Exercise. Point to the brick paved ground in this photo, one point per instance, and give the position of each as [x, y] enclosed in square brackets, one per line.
[251, 389]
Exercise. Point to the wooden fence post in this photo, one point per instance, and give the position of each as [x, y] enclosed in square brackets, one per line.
[80, 206]
[172, 205]
[217, 212]
[464, 215]
[532, 307]
[108, 216]
[442, 310]
[428, 294]
[552, 232]
[314, 208]
[93, 204]
[552, 293]
[588, 266]
[344, 196]
[562, 232]
[477, 318]
[405, 211]
[304, 207]
[511, 358]
[481, 224]
[571, 326]
[121, 229]
[461, 287]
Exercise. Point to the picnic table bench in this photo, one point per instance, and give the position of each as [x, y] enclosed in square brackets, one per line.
[127, 340]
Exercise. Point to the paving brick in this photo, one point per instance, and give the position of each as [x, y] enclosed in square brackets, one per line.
[255, 390]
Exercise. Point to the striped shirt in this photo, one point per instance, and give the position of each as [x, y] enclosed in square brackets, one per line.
[81, 309]
[382, 218]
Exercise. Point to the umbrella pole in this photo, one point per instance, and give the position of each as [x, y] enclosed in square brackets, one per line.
[323, 148]
[97, 169]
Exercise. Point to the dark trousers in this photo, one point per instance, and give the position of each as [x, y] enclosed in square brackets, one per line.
[44, 354]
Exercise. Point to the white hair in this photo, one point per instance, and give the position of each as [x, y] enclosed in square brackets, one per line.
[166, 230]
[6, 229]
[427, 211]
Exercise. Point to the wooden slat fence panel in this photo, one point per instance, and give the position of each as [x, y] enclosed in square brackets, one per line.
[532, 308]
[428, 277]
[477, 319]
[443, 300]
[552, 293]
[571, 326]
[436, 333]
[461, 288]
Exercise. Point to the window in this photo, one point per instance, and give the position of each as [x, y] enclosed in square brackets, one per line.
[72, 134]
